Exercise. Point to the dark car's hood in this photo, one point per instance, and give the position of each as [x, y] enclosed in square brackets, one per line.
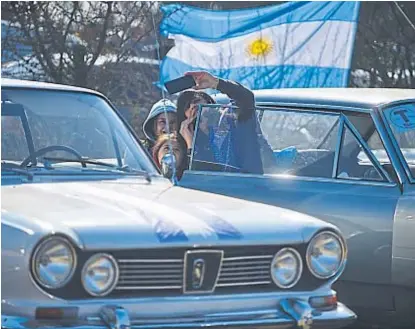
[131, 213]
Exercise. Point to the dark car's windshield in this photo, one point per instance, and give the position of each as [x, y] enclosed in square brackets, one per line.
[70, 125]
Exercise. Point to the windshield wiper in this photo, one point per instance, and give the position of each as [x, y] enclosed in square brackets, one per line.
[25, 172]
[85, 161]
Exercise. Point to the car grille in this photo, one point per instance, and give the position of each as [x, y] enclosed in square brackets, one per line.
[245, 271]
[150, 274]
[160, 272]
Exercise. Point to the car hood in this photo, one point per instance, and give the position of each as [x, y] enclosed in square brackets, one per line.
[130, 214]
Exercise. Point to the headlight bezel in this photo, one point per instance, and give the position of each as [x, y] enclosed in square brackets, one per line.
[90, 260]
[299, 273]
[34, 273]
[343, 248]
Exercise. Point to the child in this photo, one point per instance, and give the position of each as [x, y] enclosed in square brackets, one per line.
[178, 146]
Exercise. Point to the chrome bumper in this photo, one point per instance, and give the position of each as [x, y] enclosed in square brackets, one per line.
[291, 313]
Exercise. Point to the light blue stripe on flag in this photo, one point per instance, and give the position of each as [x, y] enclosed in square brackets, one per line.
[297, 44]
[283, 76]
[212, 26]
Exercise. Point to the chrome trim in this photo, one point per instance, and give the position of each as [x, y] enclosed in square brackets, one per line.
[397, 148]
[34, 255]
[243, 268]
[116, 270]
[338, 147]
[246, 257]
[291, 177]
[286, 313]
[150, 261]
[369, 152]
[221, 252]
[344, 255]
[115, 317]
[244, 278]
[149, 282]
[144, 277]
[331, 180]
[147, 287]
[257, 283]
[248, 262]
[311, 106]
[285, 109]
[299, 272]
[226, 275]
[148, 268]
[135, 271]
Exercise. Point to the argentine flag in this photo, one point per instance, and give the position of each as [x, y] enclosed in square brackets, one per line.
[293, 45]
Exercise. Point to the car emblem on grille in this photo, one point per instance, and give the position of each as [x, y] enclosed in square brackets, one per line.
[201, 270]
[198, 273]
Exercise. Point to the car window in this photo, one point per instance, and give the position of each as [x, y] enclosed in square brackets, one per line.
[74, 124]
[87, 133]
[362, 167]
[302, 143]
[13, 140]
[401, 120]
[353, 160]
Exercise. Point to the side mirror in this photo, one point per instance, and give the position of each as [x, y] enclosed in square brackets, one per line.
[168, 165]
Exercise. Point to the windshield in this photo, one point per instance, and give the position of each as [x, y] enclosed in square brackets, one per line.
[401, 120]
[61, 128]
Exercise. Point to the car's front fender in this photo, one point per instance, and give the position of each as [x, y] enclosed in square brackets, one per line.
[19, 236]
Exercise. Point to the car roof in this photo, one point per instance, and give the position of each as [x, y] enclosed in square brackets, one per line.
[365, 98]
[14, 83]
[349, 97]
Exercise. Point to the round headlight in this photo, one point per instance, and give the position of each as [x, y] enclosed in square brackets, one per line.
[286, 268]
[100, 274]
[325, 255]
[53, 262]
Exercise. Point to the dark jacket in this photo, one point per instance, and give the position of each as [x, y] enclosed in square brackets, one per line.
[240, 148]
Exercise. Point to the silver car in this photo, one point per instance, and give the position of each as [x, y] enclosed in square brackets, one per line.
[93, 237]
[346, 156]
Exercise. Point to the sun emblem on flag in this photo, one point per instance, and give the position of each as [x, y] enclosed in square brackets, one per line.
[260, 47]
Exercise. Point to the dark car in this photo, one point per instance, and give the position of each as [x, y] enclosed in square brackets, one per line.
[346, 156]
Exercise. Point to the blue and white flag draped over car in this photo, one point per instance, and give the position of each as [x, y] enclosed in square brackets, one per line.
[296, 44]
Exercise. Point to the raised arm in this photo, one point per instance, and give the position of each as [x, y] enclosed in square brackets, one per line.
[243, 97]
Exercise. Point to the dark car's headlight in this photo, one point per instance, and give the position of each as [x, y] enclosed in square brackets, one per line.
[100, 274]
[326, 254]
[53, 262]
[286, 268]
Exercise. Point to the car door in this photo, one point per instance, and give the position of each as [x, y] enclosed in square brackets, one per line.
[318, 162]
[399, 120]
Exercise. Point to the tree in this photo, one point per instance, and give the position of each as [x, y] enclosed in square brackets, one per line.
[90, 44]
[385, 45]
[67, 38]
